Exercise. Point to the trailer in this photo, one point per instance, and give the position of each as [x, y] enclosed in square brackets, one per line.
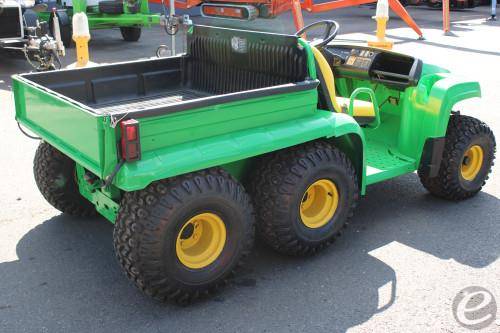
[129, 16]
[23, 35]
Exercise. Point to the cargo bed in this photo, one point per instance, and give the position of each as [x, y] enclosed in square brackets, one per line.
[158, 86]
[221, 89]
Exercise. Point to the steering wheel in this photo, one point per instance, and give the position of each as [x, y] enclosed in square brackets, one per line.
[331, 30]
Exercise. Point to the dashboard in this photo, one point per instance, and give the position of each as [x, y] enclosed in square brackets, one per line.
[390, 68]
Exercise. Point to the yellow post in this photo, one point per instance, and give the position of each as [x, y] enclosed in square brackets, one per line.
[381, 16]
[446, 16]
[81, 36]
[82, 50]
[381, 26]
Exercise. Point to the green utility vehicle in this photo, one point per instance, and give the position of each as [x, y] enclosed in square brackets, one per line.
[185, 155]
[130, 16]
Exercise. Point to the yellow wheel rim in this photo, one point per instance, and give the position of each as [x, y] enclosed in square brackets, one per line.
[319, 203]
[201, 240]
[472, 162]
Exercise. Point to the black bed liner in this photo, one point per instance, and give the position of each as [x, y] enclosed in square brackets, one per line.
[149, 102]
[214, 70]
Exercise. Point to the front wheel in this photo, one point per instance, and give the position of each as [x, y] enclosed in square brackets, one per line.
[467, 160]
[181, 238]
[131, 34]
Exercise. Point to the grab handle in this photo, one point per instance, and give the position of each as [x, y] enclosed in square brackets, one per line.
[365, 90]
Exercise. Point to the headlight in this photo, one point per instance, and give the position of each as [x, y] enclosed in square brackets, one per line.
[27, 3]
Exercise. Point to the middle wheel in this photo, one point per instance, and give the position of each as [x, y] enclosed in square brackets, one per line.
[303, 197]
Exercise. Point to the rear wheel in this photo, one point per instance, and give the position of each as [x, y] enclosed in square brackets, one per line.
[303, 197]
[131, 34]
[467, 160]
[181, 238]
[55, 176]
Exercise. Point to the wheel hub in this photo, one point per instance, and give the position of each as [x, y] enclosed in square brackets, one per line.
[319, 203]
[201, 240]
[472, 162]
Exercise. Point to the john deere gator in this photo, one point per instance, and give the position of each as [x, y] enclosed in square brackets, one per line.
[247, 131]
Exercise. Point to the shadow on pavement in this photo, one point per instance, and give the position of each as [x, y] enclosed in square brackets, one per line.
[67, 279]
[463, 231]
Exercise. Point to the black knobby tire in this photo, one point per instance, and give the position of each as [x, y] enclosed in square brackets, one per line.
[462, 133]
[55, 177]
[131, 34]
[278, 186]
[67, 36]
[149, 222]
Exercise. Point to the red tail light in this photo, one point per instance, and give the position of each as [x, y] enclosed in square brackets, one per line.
[130, 142]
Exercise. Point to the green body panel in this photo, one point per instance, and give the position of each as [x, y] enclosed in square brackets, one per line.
[99, 20]
[67, 125]
[64, 125]
[229, 147]
[427, 110]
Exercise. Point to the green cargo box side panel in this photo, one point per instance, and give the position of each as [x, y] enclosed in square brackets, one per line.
[221, 149]
[66, 126]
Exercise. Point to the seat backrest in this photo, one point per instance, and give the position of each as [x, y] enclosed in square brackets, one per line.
[221, 60]
[327, 80]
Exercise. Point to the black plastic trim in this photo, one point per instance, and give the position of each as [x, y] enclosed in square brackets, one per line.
[416, 72]
[401, 81]
[432, 156]
[364, 120]
[221, 99]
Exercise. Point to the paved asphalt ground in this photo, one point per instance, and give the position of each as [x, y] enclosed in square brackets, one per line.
[397, 268]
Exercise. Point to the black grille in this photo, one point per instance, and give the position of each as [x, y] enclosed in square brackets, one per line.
[269, 59]
[10, 27]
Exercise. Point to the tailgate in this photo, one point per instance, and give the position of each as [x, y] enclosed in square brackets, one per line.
[63, 123]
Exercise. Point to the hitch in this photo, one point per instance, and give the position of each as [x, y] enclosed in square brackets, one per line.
[42, 51]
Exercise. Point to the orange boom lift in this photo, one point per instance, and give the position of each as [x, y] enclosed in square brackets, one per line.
[251, 9]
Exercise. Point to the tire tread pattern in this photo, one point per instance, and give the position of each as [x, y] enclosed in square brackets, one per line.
[286, 167]
[136, 234]
[460, 132]
[50, 167]
[131, 34]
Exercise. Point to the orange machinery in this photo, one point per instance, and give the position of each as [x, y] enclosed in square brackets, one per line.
[250, 9]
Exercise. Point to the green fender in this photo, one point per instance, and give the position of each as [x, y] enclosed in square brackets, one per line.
[231, 147]
[428, 110]
[346, 127]
[444, 94]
